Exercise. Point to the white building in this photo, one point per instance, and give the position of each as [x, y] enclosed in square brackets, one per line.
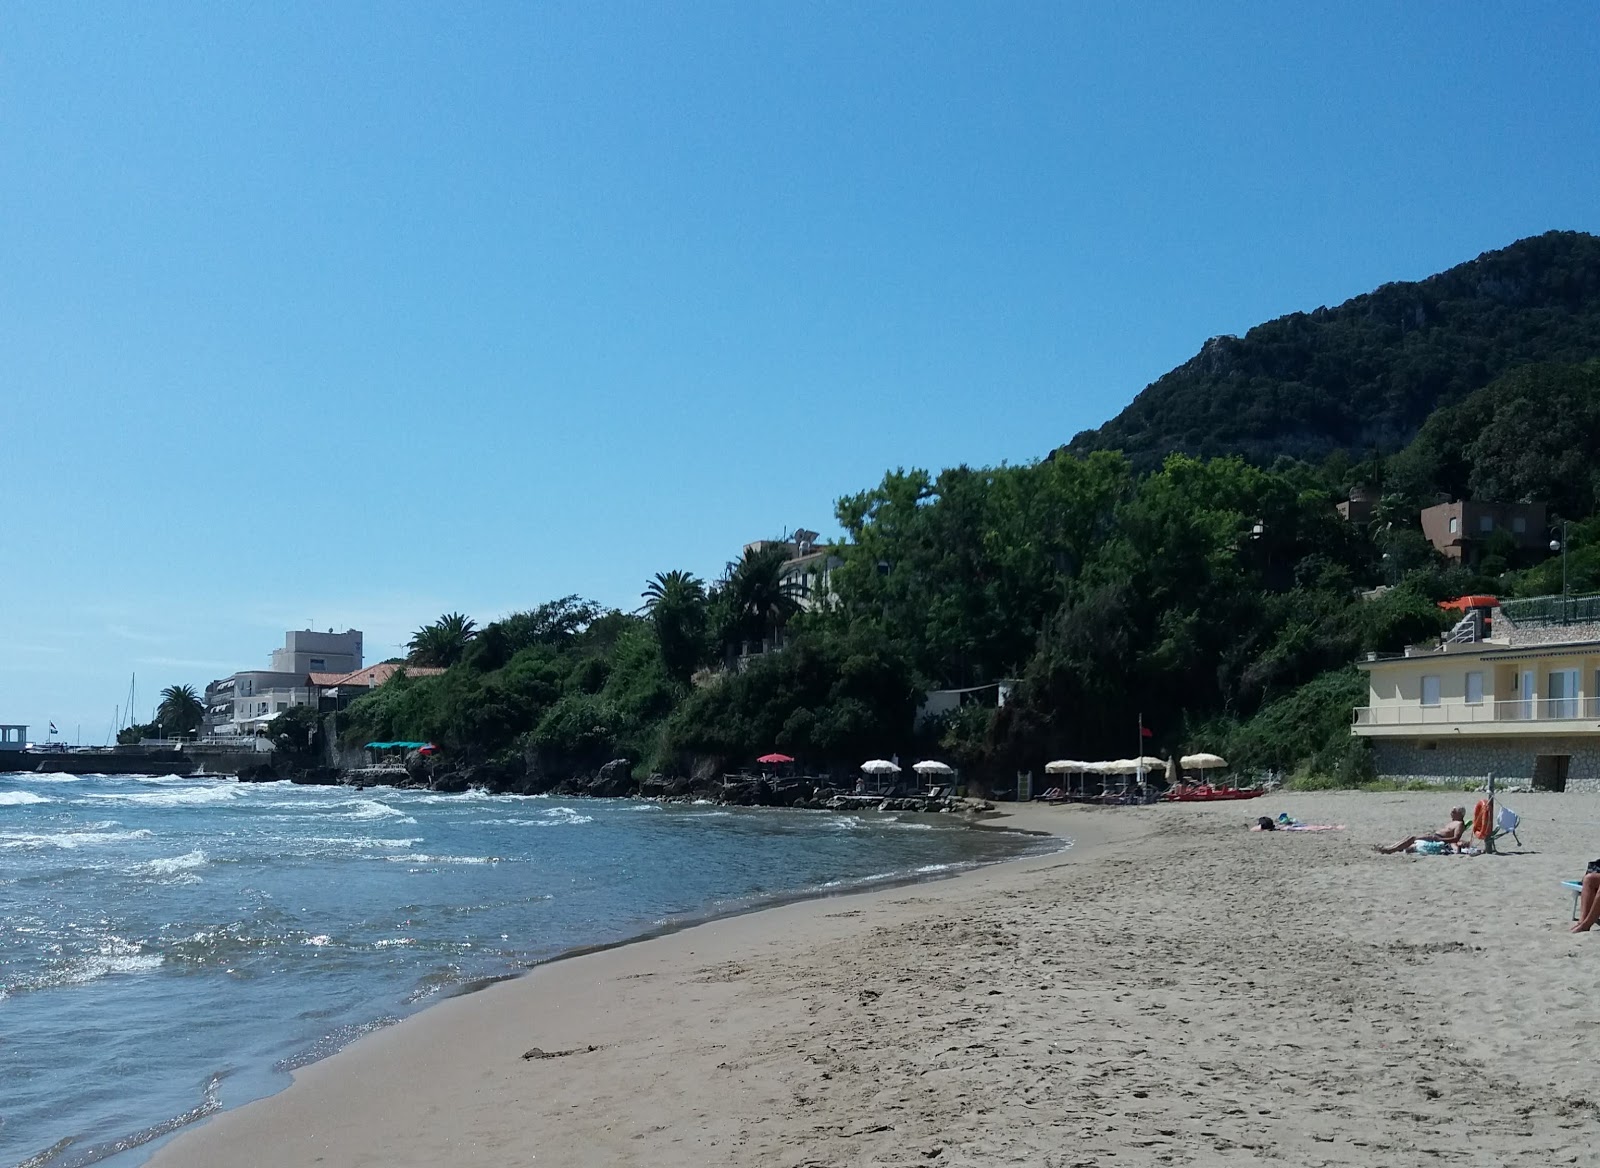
[249, 699]
[1523, 703]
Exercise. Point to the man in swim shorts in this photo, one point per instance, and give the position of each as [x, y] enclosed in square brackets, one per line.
[1452, 833]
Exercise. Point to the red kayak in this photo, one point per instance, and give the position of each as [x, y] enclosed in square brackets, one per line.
[1212, 794]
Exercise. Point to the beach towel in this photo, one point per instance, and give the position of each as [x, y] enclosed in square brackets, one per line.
[1314, 827]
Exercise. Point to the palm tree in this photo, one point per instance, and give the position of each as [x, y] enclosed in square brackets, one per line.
[674, 587]
[181, 711]
[763, 598]
[676, 602]
[443, 642]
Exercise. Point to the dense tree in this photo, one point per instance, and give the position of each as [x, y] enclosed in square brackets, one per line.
[1215, 596]
[755, 599]
[676, 603]
[442, 643]
[181, 711]
[1367, 373]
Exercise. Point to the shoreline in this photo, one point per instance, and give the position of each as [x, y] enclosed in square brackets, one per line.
[136, 1146]
[1018, 819]
[1173, 988]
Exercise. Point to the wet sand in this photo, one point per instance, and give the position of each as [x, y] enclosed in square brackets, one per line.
[1174, 989]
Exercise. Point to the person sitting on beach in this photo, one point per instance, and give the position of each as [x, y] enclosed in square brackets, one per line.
[1451, 834]
[1588, 904]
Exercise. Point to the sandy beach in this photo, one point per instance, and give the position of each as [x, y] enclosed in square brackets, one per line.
[1173, 989]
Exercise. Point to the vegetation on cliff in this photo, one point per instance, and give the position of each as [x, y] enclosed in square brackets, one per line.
[1366, 375]
[1217, 599]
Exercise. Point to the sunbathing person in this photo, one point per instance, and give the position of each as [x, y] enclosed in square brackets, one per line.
[1588, 904]
[1452, 833]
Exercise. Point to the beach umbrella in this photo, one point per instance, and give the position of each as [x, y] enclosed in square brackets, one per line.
[879, 767]
[1202, 762]
[933, 767]
[774, 758]
[1174, 774]
[1132, 766]
[1065, 766]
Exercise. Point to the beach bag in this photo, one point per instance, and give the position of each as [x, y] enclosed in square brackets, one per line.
[1594, 866]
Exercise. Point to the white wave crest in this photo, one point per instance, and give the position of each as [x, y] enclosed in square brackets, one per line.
[172, 865]
[182, 797]
[363, 843]
[115, 956]
[424, 858]
[362, 809]
[22, 798]
[557, 816]
[67, 839]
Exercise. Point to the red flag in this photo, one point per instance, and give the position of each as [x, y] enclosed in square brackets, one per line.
[1146, 732]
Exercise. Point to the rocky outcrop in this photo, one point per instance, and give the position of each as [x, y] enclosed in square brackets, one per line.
[318, 777]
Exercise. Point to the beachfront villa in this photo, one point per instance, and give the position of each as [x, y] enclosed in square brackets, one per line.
[1513, 690]
[245, 701]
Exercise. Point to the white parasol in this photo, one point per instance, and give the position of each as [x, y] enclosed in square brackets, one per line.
[1131, 766]
[1202, 762]
[1066, 766]
[932, 767]
[880, 766]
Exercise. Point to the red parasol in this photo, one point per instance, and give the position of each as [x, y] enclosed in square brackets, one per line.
[774, 758]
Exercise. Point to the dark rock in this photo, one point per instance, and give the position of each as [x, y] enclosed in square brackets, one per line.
[257, 772]
[318, 777]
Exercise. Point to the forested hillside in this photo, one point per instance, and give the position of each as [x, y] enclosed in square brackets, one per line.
[1219, 600]
[1365, 376]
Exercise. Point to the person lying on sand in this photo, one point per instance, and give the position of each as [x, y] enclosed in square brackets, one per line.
[1451, 833]
[1588, 904]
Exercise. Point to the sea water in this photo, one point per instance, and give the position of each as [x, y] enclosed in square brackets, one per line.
[169, 946]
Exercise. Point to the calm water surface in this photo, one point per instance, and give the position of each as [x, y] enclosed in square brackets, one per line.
[171, 945]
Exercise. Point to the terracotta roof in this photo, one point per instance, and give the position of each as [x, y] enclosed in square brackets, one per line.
[372, 676]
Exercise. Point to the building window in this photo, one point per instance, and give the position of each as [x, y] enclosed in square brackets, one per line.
[1474, 689]
[1563, 693]
[1455, 524]
[1486, 523]
[1430, 691]
[1519, 525]
[319, 664]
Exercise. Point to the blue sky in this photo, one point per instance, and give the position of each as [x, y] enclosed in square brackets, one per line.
[347, 315]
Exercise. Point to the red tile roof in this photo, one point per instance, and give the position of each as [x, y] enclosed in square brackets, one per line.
[372, 676]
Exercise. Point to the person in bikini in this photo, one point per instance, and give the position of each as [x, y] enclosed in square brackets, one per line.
[1452, 833]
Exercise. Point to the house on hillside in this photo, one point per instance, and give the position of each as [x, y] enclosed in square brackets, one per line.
[335, 691]
[806, 576]
[1360, 507]
[246, 701]
[1460, 530]
[1523, 703]
[808, 568]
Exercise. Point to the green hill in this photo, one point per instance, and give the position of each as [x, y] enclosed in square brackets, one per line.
[1366, 375]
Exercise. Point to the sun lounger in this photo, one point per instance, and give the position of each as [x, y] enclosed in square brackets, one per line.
[1576, 887]
[1506, 822]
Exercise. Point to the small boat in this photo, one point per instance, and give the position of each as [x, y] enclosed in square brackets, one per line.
[1210, 794]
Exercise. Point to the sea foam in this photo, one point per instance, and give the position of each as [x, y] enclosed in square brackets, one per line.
[22, 798]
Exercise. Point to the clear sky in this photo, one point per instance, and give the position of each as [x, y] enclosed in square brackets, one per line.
[348, 315]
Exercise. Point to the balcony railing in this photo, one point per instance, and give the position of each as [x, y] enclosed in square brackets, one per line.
[1457, 713]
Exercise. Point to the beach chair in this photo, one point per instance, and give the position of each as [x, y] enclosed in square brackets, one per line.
[1506, 822]
[1576, 888]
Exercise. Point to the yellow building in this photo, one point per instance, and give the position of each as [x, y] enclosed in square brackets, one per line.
[1524, 704]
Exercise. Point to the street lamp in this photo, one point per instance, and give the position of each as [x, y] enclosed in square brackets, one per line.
[1560, 545]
